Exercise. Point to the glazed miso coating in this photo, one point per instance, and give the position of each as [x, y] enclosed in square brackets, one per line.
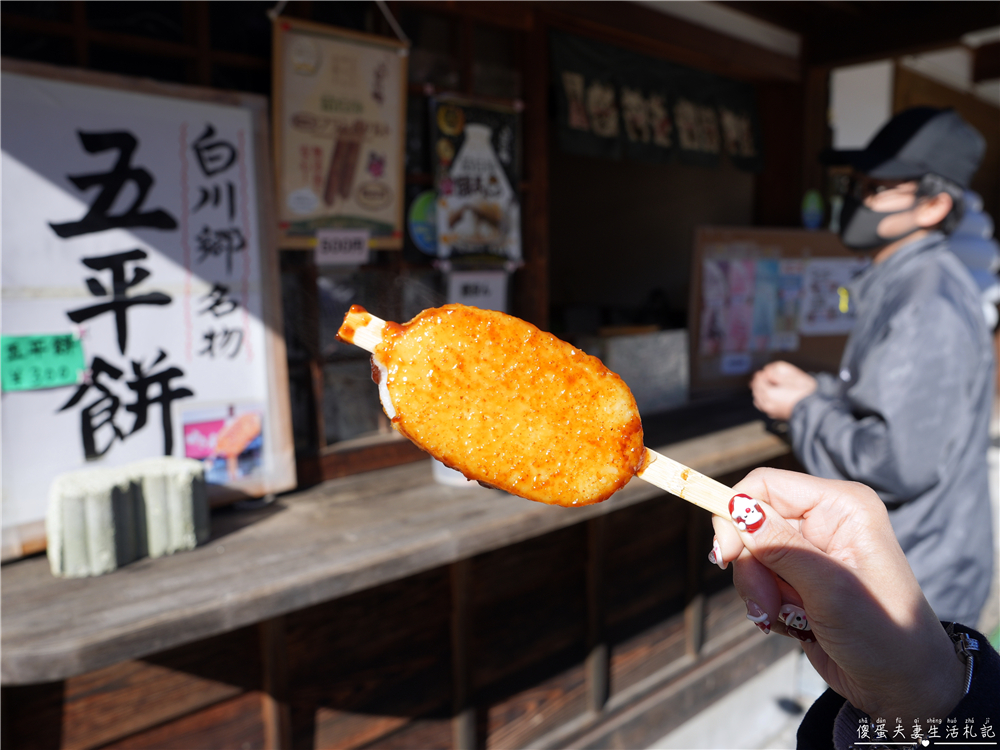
[509, 405]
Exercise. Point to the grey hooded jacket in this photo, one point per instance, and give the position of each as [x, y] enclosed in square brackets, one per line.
[909, 416]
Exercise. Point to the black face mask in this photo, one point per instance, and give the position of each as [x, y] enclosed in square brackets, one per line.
[859, 226]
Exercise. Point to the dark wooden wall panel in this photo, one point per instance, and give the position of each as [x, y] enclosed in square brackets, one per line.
[528, 602]
[646, 566]
[362, 668]
[725, 613]
[547, 703]
[645, 653]
[433, 733]
[646, 588]
[108, 704]
[374, 669]
[778, 192]
[231, 725]
[528, 637]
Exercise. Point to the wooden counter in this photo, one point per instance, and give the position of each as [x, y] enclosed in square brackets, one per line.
[337, 540]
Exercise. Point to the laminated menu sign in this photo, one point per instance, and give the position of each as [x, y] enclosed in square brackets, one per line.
[339, 114]
[138, 277]
[477, 159]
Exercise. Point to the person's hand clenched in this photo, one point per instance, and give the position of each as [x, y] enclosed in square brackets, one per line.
[778, 387]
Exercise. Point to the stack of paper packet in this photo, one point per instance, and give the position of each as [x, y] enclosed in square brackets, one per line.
[101, 519]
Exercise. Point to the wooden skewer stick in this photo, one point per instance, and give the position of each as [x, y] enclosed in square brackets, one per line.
[687, 484]
[363, 329]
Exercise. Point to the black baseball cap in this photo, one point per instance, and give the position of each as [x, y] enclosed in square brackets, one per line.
[919, 141]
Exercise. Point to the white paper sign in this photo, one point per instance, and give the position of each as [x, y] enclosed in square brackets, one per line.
[342, 247]
[486, 290]
[131, 219]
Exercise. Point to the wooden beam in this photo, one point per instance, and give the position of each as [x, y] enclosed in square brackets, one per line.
[82, 36]
[842, 33]
[508, 15]
[986, 62]
[650, 32]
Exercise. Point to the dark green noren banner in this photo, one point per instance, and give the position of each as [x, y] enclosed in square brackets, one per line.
[618, 104]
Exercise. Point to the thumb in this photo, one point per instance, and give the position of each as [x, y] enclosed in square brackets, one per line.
[777, 544]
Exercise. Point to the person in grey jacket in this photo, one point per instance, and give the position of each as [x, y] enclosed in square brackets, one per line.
[908, 414]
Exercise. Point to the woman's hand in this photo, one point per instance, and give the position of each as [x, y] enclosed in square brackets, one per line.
[826, 556]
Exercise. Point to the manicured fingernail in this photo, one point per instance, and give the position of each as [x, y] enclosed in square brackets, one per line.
[794, 617]
[799, 635]
[746, 513]
[715, 556]
[758, 617]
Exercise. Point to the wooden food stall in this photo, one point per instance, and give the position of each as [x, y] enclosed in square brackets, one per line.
[387, 610]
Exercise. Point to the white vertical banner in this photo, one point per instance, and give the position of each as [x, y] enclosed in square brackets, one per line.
[132, 223]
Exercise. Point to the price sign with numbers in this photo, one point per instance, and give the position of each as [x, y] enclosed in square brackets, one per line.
[341, 247]
[29, 363]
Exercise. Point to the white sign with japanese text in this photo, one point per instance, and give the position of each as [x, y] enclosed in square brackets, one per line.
[486, 290]
[131, 220]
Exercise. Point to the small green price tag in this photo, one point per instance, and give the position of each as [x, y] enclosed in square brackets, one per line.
[28, 363]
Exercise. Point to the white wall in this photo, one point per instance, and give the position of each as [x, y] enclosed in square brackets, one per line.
[860, 102]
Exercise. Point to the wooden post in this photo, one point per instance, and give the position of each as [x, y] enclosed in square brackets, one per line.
[463, 726]
[694, 610]
[81, 48]
[274, 665]
[531, 287]
[466, 29]
[816, 131]
[202, 40]
[598, 661]
[310, 284]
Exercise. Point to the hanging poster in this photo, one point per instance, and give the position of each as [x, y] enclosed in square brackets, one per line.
[752, 293]
[339, 114]
[476, 176]
[139, 266]
[612, 102]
